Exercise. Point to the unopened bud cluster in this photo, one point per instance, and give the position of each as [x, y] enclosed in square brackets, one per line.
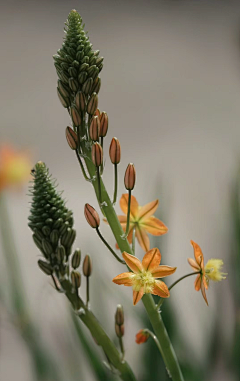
[52, 226]
[119, 321]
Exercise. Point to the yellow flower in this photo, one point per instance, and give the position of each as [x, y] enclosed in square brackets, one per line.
[141, 219]
[14, 167]
[144, 275]
[205, 273]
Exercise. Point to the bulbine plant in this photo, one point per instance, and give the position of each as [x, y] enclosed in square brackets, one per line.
[78, 67]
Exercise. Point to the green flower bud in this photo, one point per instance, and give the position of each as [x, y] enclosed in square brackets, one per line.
[76, 258]
[76, 279]
[54, 237]
[87, 86]
[92, 104]
[65, 101]
[45, 267]
[60, 254]
[80, 101]
[73, 84]
[76, 117]
[87, 266]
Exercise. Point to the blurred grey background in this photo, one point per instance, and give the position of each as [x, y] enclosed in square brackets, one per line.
[171, 88]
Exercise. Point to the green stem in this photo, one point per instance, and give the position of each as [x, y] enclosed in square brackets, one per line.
[168, 353]
[87, 290]
[121, 347]
[109, 247]
[98, 333]
[82, 166]
[154, 338]
[128, 213]
[115, 183]
[172, 285]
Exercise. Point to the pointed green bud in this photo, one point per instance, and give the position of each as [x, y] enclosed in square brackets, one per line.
[65, 101]
[87, 86]
[76, 117]
[72, 138]
[119, 315]
[80, 101]
[76, 258]
[45, 267]
[73, 84]
[64, 89]
[47, 247]
[96, 86]
[82, 77]
[60, 254]
[92, 104]
[54, 237]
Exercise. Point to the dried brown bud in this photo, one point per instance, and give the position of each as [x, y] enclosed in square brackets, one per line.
[115, 151]
[130, 177]
[94, 128]
[72, 138]
[97, 154]
[91, 216]
[92, 104]
[103, 124]
[76, 279]
[76, 117]
[119, 329]
[80, 101]
[119, 315]
[87, 266]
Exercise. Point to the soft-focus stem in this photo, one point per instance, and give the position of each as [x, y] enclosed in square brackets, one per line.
[128, 212]
[98, 333]
[109, 247]
[121, 347]
[167, 351]
[43, 363]
[87, 291]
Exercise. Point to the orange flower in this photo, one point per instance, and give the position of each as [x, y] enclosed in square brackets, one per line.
[143, 278]
[198, 265]
[211, 271]
[14, 167]
[141, 219]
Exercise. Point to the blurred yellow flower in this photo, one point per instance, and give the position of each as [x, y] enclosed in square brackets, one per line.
[15, 167]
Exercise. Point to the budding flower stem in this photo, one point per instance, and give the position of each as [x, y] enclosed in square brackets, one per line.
[154, 338]
[82, 167]
[99, 184]
[128, 213]
[87, 291]
[115, 183]
[174, 284]
[109, 247]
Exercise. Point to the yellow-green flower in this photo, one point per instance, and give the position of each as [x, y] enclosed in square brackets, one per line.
[211, 271]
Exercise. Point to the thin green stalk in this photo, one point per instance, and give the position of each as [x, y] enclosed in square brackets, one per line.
[153, 337]
[109, 247]
[168, 353]
[87, 291]
[172, 285]
[98, 333]
[115, 183]
[82, 167]
[128, 212]
[121, 347]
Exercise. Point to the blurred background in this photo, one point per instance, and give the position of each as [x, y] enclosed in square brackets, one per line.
[171, 88]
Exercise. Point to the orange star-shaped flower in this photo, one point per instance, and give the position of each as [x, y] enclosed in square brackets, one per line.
[14, 167]
[141, 219]
[144, 275]
[198, 266]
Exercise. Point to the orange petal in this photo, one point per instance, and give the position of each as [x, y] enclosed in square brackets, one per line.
[161, 289]
[204, 293]
[151, 259]
[148, 210]
[137, 295]
[124, 205]
[133, 263]
[194, 264]
[198, 254]
[124, 278]
[197, 283]
[143, 239]
[205, 282]
[122, 219]
[162, 271]
[154, 226]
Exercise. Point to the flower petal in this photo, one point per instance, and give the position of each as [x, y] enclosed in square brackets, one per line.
[124, 278]
[205, 281]
[197, 283]
[122, 219]
[148, 210]
[161, 289]
[151, 259]
[137, 295]
[133, 262]
[154, 226]
[162, 271]
[198, 254]
[204, 293]
[143, 239]
[124, 205]
[194, 264]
